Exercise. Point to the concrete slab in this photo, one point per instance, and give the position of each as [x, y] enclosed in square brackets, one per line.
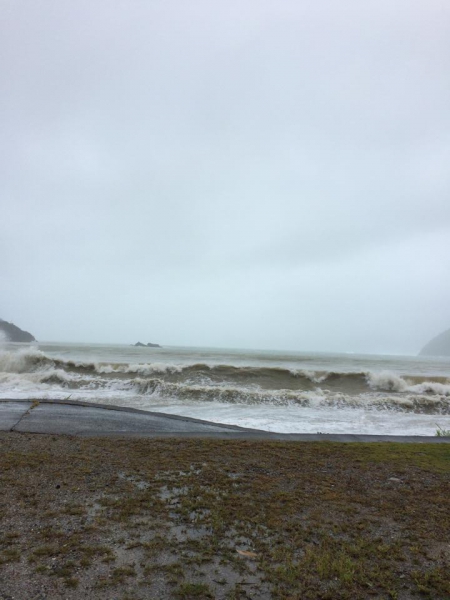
[11, 413]
[91, 420]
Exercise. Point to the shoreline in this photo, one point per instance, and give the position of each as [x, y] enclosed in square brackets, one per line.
[71, 417]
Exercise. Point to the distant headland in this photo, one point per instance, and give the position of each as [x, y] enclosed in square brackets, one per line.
[438, 346]
[149, 345]
[14, 333]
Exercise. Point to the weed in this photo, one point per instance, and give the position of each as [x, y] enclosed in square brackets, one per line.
[71, 582]
[119, 574]
[442, 432]
[9, 555]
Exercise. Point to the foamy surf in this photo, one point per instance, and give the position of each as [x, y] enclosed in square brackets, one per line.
[271, 391]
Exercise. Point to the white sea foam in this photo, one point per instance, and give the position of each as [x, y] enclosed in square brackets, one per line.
[295, 419]
[145, 370]
[430, 387]
[387, 381]
[313, 376]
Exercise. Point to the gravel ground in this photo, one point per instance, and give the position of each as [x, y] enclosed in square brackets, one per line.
[186, 518]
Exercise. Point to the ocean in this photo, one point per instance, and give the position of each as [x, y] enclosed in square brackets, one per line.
[275, 391]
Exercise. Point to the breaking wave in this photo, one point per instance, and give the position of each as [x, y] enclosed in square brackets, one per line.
[435, 404]
[269, 378]
[31, 372]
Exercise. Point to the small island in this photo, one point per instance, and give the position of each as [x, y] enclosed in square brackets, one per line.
[12, 333]
[149, 345]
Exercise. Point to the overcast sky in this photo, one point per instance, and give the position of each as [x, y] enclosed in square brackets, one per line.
[248, 173]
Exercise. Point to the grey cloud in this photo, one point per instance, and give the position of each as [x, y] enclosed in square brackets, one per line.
[174, 159]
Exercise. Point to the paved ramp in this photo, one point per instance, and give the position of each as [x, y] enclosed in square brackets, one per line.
[11, 413]
[74, 418]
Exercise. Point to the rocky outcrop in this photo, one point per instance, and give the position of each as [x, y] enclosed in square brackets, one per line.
[438, 346]
[12, 333]
[149, 345]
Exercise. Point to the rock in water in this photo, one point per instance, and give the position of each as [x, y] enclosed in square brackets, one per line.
[439, 346]
[14, 333]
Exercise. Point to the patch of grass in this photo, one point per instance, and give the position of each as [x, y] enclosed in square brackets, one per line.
[9, 555]
[46, 550]
[71, 582]
[41, 569]
[64, 570]
[117, 577]
[186, 591]
[75, 510]
[9, 538]
[432, 582]
[119, 574]
[432, 457]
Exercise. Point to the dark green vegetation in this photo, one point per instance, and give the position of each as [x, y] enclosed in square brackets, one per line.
[179, 518]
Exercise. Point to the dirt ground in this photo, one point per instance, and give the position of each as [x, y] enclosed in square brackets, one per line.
[184, 518]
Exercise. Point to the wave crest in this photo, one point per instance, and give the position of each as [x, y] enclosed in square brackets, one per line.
[203, 382]
[24, 361]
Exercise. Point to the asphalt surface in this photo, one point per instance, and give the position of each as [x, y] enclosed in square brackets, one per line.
[83, 419]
